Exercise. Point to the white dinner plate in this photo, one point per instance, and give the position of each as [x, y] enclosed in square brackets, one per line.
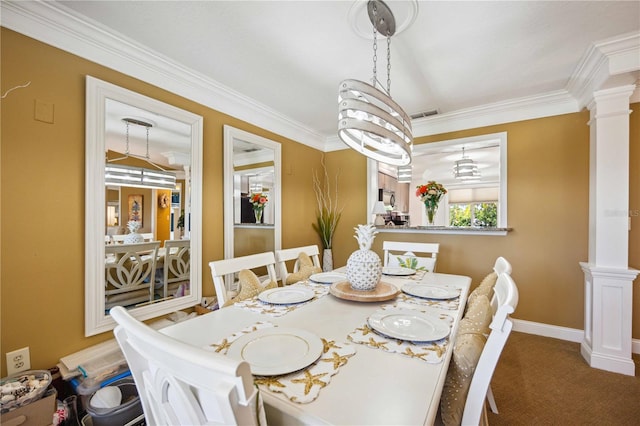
[286, 295]
[277, 350]
[328, 277]
[397, 270]
[430, 291]
[407, 324]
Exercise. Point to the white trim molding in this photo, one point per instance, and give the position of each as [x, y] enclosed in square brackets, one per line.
[558, 332]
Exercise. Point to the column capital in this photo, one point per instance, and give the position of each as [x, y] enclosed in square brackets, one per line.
[609, 97]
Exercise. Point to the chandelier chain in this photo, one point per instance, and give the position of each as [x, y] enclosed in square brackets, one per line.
[126, 150]
[147, 142]
[375, 48]
[389, 66]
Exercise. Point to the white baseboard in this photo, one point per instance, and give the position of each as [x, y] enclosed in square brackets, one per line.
[557, 332]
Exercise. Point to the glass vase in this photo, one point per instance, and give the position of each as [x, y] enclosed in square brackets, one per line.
[258, 214]
[431, 214]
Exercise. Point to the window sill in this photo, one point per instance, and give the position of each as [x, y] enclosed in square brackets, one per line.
[444, 230]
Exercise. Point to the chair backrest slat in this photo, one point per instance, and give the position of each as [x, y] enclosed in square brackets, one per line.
[391, 249]
[177, 264]
[229, 267]
[130, 273]
[285, 255]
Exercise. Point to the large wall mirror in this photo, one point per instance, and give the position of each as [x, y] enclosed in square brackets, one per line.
[252, 188]
[483, 186]
[143, 210]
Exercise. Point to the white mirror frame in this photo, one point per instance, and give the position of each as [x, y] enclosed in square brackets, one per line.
[96, 321]
[230, 134]
[372, 171]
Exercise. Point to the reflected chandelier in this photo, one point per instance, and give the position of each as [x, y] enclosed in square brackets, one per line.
[465, 168]
[369, 121]
[123, 175]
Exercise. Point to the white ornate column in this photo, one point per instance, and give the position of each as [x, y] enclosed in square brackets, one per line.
[608, 279]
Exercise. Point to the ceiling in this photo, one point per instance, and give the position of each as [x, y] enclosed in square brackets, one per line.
[288, 57]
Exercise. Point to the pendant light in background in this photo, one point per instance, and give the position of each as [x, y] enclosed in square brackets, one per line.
[465, 168]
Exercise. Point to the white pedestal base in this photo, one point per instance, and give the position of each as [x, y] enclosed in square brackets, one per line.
[608, 317]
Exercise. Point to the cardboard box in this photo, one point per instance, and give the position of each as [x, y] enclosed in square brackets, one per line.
[38, 413]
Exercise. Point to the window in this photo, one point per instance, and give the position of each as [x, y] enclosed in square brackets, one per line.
[483, 215]
[485, 194]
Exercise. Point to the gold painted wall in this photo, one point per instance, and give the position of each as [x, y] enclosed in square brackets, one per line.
[548, 192]
[42, 165]
[42, 171]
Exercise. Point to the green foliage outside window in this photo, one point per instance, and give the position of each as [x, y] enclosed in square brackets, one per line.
[480, 214]
[486, 215]
[459, 215]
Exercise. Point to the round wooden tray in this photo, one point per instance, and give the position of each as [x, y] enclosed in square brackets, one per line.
[383, 291]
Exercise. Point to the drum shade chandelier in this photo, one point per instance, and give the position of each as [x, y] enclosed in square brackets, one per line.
[465, 168]
[369, 121]
[139, 177]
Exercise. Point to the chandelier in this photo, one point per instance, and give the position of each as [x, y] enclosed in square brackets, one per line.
[465, 168]
[125, 175]
[369, 121]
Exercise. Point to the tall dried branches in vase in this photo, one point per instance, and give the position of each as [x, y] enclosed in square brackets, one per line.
[328, 214]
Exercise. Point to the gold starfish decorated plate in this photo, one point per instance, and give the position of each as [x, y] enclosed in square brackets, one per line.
[277, 350]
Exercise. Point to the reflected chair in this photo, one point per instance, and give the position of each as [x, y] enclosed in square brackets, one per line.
[180, 384]
[285, 255]
[130, 273]
[398, 253]
[176, 266]
[224, 272]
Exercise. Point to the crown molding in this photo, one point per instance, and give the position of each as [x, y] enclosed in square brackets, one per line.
[58, 26]
[611, 62]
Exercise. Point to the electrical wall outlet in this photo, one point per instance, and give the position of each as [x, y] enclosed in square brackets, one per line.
[18, 360]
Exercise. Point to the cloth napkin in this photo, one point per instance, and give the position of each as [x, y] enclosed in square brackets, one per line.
[255, 305]
[431, 352]
[301, 386]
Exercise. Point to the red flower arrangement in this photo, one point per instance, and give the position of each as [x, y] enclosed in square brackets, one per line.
[258, 200]
[430, 194]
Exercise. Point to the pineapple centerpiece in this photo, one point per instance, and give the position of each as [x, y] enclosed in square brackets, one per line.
[133, 237]
[364, 267]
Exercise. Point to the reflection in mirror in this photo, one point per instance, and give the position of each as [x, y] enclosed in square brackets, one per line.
[252, 193]
[476, 196]
[143, 206]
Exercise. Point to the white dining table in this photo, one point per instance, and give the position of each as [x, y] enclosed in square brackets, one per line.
[375, 387]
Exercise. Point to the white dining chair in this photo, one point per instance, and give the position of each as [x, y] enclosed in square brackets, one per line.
[176, 266]
[130, 273]
[181, 384]
[286, 255]
[224, 272]
[503, 304]
[502, 265]
[395, 250]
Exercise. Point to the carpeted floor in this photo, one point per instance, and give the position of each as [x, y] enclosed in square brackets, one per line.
[544, 381]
